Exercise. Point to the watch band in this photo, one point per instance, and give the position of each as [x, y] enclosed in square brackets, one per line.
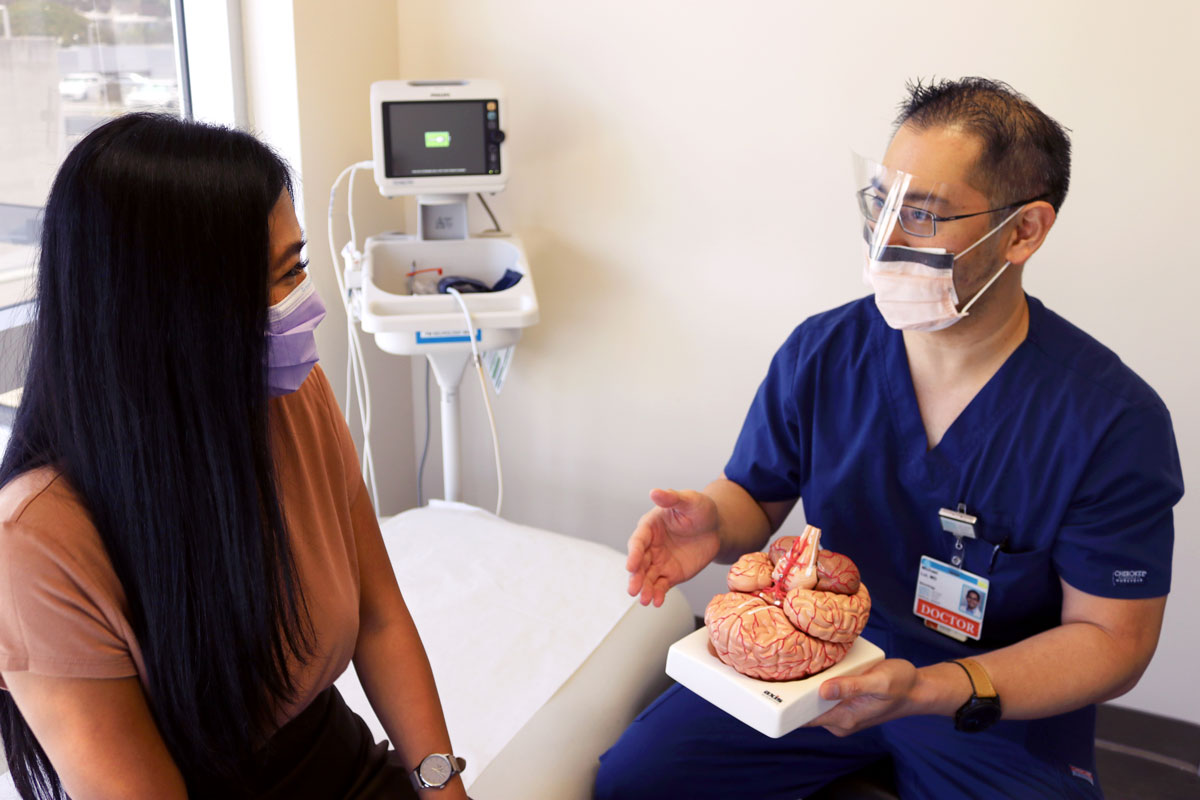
[981, 684]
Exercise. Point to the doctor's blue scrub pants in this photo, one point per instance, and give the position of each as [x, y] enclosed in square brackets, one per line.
[684, 747]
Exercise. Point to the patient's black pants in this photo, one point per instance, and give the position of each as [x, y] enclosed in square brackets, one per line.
[326, 752]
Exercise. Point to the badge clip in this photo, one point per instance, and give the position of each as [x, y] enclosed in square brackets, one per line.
[960, 525]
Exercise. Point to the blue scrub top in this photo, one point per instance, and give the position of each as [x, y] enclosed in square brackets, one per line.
[1066, 457]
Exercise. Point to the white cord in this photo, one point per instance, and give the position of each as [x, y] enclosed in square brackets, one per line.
[350, 211]
[356, 371]
[364, 410]
[424, 447]
[486, 400]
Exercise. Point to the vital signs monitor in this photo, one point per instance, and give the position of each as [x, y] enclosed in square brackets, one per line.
[437, 137]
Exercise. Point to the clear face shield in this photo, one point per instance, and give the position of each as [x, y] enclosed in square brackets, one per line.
[913, 284]
[890, 198]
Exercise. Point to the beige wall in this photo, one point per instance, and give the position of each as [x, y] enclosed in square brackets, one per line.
[681, 181]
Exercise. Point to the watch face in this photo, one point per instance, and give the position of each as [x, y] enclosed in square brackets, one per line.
[436, 769]
[978, 714]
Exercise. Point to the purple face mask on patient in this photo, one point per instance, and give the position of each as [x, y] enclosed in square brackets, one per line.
[291, 345]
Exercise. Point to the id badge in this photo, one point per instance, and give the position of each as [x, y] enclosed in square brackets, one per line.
[950, 600]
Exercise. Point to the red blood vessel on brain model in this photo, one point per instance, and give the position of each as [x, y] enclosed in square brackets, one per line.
[788, 614]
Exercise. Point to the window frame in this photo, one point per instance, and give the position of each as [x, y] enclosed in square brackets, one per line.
[212, 67]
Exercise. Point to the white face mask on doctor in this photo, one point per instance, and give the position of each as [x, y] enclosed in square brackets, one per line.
[914, 286]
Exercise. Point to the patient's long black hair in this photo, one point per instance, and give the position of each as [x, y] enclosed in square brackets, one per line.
[147, 388]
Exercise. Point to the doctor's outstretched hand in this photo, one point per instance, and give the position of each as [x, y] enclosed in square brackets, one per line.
[672, 542]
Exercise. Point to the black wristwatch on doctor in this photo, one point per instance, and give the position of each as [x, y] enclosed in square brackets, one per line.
[982, 709]
[436, 770]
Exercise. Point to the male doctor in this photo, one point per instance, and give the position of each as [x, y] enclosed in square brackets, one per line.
[970, 603]
[947, 431]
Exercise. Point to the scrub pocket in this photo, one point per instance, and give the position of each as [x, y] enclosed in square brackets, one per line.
[1024, 595]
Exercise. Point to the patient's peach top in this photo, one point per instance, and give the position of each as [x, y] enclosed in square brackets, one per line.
[62, 609]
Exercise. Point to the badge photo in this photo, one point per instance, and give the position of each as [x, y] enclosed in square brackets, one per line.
[972, 601]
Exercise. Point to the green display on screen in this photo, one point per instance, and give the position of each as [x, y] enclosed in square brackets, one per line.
[437, 138]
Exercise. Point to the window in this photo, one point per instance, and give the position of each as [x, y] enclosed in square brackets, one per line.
[67, 66]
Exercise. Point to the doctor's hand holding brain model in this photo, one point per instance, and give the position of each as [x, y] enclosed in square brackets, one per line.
[1002, 481]
[188, 554]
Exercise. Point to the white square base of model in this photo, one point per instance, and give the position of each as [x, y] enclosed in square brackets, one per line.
[771, 707]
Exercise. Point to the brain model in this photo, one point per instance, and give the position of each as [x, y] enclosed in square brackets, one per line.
[790, 612]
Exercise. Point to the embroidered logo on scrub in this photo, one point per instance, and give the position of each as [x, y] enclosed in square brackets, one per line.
[1129, 576]
[1083, 774]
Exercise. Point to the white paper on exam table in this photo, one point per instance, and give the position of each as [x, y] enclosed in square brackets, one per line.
[507, 614]
[771, 707]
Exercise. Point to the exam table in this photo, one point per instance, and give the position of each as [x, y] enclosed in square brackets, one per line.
[541, 658]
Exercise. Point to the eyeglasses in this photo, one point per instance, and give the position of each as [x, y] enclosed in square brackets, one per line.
[917, 221]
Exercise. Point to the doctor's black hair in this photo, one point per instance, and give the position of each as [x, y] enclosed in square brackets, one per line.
[1025, 152]
[147, 391]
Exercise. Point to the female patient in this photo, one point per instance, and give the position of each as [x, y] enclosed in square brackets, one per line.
[188, 556]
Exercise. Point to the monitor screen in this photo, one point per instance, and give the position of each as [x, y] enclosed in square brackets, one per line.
[440, 138]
